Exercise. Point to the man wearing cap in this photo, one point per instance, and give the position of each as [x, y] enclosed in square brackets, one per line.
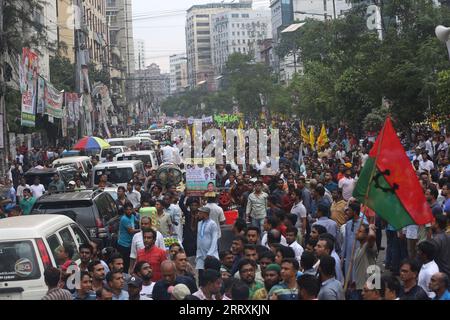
[179, 292]
[72, 185]
[347, 184]
[271, 278]
[134, 289]
[207, 238]
[216, 213]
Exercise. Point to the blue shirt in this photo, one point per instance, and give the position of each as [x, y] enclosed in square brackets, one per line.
[444, 297]
[332, 186]
[125, 238]
[122, 296]
[283, 292]
[90, 296]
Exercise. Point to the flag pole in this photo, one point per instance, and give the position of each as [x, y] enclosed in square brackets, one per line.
[372, 174]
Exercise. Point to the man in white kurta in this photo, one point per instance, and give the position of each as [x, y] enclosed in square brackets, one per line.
[207, 237]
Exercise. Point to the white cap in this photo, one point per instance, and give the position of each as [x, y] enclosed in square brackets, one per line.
[72, 183]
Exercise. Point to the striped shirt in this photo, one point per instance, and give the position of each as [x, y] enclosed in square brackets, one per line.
[58, 294]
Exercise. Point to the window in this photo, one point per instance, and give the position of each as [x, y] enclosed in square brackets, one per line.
[202, 24]
[66, 237]
[53, 243]
[235, 15]
[18, 261]
[203, 32]
[79, 235]
[245, 15]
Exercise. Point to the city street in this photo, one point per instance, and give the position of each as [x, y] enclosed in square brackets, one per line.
[244, 150]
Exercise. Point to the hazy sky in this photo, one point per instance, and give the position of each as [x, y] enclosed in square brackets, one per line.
[160, 23]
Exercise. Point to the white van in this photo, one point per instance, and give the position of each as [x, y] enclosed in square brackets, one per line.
[146, 156]
[27, 247]
[119, 173]
[132, 142]
[114, 150]
[76, 162]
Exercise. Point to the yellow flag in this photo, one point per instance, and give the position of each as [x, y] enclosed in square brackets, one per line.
[435, 126]
[304, 134]
[312, 139]
[223, 134]
[188, 133]
[241, 134]
[323, 137]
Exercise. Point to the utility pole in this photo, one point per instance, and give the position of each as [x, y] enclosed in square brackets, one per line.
[334, 9]
[3, 138]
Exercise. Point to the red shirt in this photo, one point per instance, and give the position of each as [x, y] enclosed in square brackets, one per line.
[154, 256]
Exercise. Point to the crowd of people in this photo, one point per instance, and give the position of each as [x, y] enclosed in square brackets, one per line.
[300, 234]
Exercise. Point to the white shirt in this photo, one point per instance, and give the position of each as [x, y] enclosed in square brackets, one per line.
[37, 191]
[340, 155]
[298, 249]
[364, 158]
[138, 243]
[216, 215]
[168, 154]
[300, 211]
[425, 274]
[134, 197]
[147, 291]
[20, 189]
[429, 148]
[412, 232]
[265, 243]
[347, 185]
[426, 165]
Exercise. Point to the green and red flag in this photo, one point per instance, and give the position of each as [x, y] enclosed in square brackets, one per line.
[388, 183]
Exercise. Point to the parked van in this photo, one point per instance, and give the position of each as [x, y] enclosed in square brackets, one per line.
[146, 156]
[119, 173]
[114, 150]
[76, 162]
[132, 142]
[28, 245]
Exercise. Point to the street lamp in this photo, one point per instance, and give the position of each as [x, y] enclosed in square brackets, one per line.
[443, 34]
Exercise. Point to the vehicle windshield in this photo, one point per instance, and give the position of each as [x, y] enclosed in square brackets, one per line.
[59, 165]
[18, 261]
[80, 211]
[115, 176]
[142, 157]
[113, 151]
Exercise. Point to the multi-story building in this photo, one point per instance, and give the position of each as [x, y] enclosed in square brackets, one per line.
[285, 13]
[178, 73]
[239, 31]
[139, 56]
[151, 87]
[122, 62]
[90, 17]
[119, 15]
[321, 10]
[199, 41]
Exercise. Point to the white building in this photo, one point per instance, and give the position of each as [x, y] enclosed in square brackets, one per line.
[199, 41]
[285, 13]
[139, 55]
[178, 73]
[240, 31]
[315, 9]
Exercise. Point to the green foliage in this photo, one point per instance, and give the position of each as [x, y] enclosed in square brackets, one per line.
[62, 73]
